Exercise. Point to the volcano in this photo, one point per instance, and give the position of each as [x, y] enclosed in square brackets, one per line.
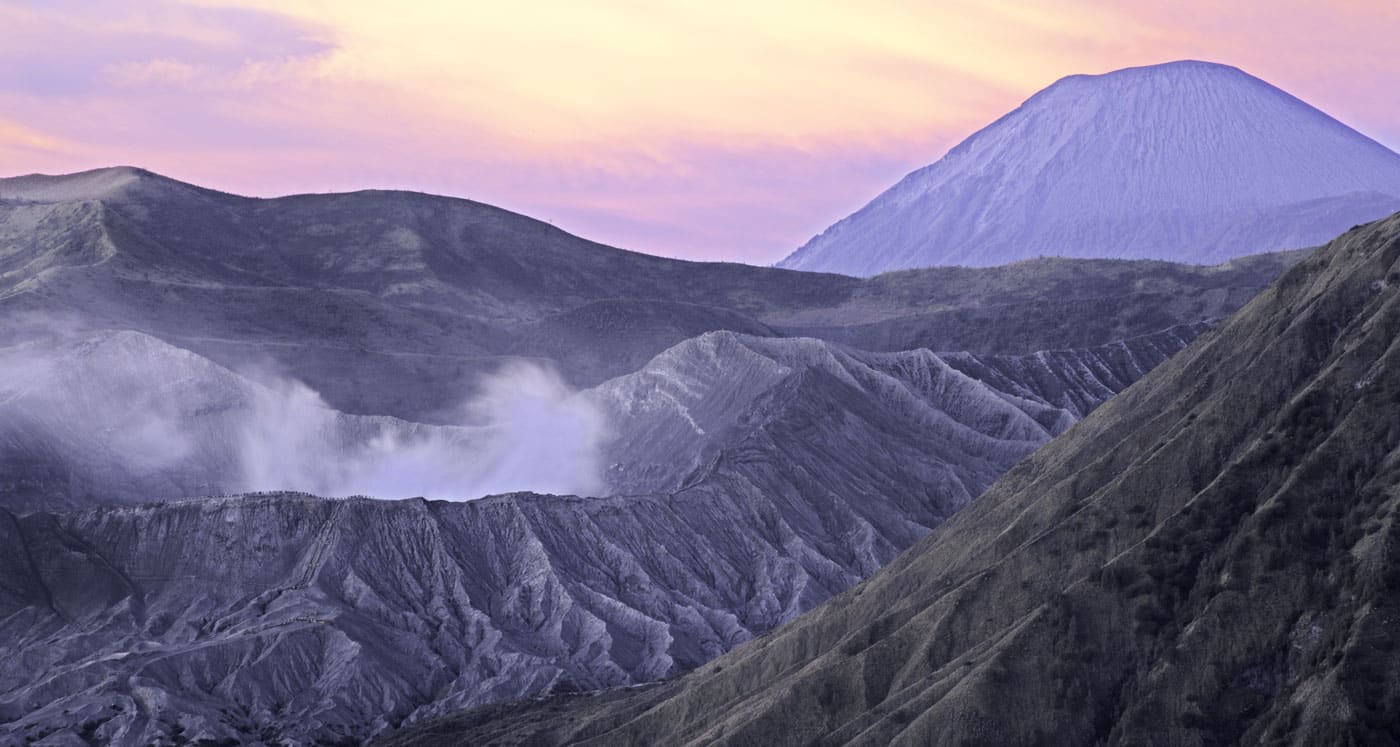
[1185, 161]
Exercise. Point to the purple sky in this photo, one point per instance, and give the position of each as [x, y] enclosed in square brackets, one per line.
[724, 130]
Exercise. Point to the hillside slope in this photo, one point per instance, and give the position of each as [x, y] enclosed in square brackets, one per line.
[1186, 161]
[121, 417]
[1211, 557]
[805, 469]
[358, 294]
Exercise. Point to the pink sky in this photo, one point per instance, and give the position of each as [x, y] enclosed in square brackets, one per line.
[730, 129]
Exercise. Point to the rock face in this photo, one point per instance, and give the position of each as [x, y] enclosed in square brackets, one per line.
[1186, 161]
[752, 496]
[1210, 557]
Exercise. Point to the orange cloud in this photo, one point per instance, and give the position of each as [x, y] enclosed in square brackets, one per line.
[17, 136]
[565, 73]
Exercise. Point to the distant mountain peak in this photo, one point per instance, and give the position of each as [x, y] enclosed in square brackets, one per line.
[1168, 69]
[1159, 73]
[1187, 161]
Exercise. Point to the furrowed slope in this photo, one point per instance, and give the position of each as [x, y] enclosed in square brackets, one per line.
[805, 468]
[121, 417]
[1210, 557]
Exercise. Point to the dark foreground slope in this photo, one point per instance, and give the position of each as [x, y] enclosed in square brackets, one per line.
[1211, 557]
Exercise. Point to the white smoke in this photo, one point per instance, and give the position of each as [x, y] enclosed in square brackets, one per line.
[525, 429]
[149, 419]
[129, 412]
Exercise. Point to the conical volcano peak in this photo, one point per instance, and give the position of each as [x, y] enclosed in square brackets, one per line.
[1174, 70]
[1200, 88]
[1186, 161]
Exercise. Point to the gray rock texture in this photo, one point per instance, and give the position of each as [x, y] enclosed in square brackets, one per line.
[1209, 558]
[774, 438]
[762, 477]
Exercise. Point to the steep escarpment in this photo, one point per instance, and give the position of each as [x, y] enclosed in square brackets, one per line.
[1210, 557]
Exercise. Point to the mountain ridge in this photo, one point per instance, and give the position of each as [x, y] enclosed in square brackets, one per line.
[351, 293]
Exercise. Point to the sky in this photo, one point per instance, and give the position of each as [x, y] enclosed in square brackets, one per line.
[718, 130]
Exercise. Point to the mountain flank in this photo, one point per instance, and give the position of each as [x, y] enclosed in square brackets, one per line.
[1210, 557]
[356, 294]
[772, 438]
[755, 477]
